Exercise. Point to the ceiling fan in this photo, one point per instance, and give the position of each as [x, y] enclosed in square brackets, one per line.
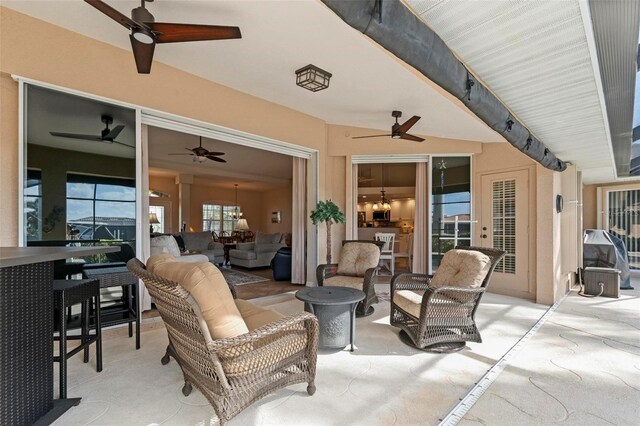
[399, 131]
[145, 32]
[201, 154]
[106, 135]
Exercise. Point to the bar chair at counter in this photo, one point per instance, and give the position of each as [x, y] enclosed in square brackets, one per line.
[68, 293]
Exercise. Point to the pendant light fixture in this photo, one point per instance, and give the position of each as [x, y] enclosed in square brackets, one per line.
[236, 213]
[383, 204]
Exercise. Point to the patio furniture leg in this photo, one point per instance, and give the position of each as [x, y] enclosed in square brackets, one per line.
[63, 349]
[98, 335]
[85, 329]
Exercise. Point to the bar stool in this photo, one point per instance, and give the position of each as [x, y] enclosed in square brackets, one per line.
[66, 294]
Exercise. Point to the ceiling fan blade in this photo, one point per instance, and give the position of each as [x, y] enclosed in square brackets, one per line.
[370, 136]
[143, 54]
[124, 144]
[404, 127]
[214, 158]
[411, 137]
[123, 20]
[76, 136]
[180, 154]
[215, 153]
[113, 133]
[173, 33]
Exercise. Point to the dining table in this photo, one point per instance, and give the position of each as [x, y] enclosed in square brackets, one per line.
[26, 332]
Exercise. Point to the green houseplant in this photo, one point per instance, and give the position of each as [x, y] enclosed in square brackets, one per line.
[329, 213]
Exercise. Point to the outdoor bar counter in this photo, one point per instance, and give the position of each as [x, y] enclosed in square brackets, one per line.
[26, 332]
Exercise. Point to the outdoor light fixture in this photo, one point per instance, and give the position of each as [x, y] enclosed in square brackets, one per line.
[312, 78]
[237, 214]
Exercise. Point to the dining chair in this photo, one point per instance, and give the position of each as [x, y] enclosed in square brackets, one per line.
[387, 252]
[407, 251]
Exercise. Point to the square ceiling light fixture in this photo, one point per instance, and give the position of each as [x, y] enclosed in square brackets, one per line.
[312, 78]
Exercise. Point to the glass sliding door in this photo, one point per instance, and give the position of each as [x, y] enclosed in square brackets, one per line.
[450, 205]
[623, 220]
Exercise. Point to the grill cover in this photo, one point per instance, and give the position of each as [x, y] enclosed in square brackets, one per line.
[604, 250]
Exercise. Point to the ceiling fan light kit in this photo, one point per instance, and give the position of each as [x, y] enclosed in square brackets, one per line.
[201, 154]
[146, 33]
[312, 78]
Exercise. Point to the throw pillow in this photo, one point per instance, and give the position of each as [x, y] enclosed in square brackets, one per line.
[461, 268]
[164, 244]
[357, 257]
[180, 242]
[209, 289]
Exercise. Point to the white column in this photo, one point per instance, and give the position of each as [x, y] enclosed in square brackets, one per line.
[184, 199]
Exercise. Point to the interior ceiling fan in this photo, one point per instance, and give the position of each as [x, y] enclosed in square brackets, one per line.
[201, 154]
[399, 131]
[106, 135]
[145, 32]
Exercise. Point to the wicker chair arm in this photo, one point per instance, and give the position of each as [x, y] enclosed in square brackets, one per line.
[408, 281]
[326, 271]
[460, 295]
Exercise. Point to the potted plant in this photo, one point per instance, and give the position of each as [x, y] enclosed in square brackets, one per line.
[329, 213]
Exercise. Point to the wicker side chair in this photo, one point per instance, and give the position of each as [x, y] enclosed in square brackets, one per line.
[446, 318]
[366, 284]
[233, 373]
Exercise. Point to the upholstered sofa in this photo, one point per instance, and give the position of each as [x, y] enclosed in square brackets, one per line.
[202, 242]
[167, 244]
[259, 253]
[232, 351]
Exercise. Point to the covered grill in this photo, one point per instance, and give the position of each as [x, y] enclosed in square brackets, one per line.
[602, 249]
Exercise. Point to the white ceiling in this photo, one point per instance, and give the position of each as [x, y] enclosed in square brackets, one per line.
[251, 168]
[534, 55]
[278, 38]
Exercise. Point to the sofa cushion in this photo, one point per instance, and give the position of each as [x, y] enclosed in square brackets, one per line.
[357, 257]
[409, 301]
[262, 238]
[209, 289]
[196, 240]
[164, 244]
[267, 248]
[243, 254]
[255, 316]
[461, 268]
[345, 281]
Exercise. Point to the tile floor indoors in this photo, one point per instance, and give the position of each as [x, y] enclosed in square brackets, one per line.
[581, 368]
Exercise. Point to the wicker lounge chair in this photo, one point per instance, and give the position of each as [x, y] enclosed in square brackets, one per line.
[232, 373]
[438, 319]
[328, 274]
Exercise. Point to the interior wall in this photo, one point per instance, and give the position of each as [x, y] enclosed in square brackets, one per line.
[277, 199]
[9, 160]
[167, 184]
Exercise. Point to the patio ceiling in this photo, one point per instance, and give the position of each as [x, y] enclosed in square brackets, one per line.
[539, 58]
[279, 37]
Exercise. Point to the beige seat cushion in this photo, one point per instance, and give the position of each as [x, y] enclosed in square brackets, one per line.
[255, 316]
[158, 259]
[461, 268]
[209, 289]
[356, 258]
[409, 301]
[345, 281]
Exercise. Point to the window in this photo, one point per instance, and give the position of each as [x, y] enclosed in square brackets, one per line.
[623, 219]
[159, 211]
[100, 208]
[451, 205]
[33, 205]
[218, 218]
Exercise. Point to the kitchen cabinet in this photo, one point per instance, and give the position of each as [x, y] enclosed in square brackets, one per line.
[402, 210]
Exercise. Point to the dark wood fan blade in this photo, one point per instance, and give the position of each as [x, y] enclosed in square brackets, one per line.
[180, 154]
[215, 153]
[173, 33]
[409, 137]
[114, 133]
[404, 127]
[124, 144]
[77, 136]
[371, 136]
[143, 54]
[123, 20]
[214, 158]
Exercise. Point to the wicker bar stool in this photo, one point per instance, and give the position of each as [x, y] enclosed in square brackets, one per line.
[66, 294]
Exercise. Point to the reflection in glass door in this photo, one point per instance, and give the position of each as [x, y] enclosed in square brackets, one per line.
[623, 220]
[451, 205]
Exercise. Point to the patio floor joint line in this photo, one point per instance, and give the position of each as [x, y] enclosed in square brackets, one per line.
[473, 395]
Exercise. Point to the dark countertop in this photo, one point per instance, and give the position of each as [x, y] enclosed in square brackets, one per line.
[15, 256]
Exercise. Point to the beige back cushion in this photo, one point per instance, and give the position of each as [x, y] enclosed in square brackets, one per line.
[207, 286]
[461, 268]
[356, 258]
[158, 259]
